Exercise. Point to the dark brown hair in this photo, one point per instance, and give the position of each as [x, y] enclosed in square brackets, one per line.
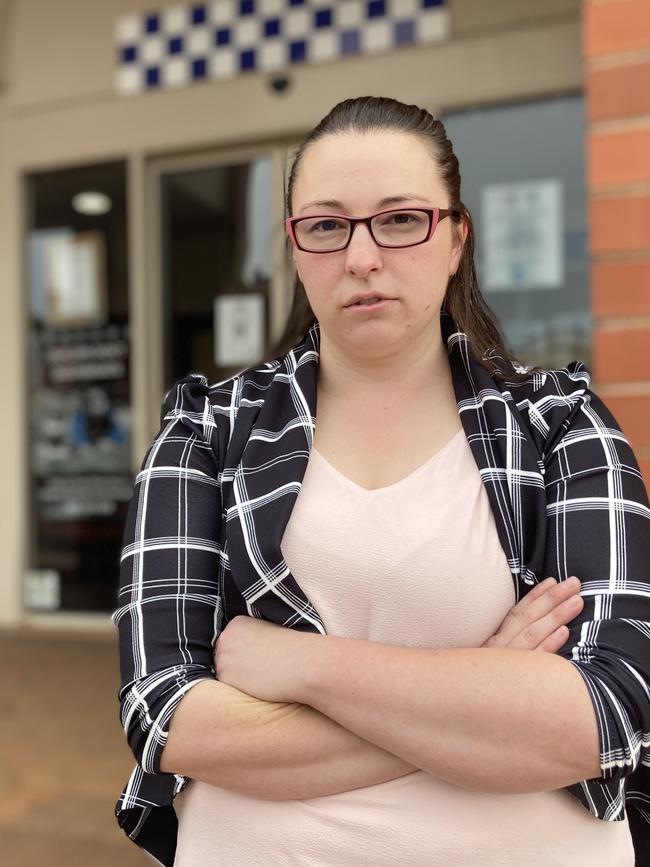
[463, 299]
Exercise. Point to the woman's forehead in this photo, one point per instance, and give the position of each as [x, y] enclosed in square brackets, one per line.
[375, 165]
[361, 147]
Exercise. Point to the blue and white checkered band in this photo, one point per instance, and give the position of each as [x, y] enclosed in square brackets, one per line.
[180, 45]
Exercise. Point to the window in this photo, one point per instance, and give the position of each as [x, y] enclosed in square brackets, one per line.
[79, 393]
[522, 169]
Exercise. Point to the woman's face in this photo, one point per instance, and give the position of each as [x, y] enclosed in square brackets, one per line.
[359, 171]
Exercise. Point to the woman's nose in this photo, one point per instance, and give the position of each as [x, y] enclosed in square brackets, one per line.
[362, 254]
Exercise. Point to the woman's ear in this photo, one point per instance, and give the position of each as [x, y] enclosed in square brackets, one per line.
[295, 265]
[460, 236]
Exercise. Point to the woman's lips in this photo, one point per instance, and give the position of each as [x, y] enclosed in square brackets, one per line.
[379, 305]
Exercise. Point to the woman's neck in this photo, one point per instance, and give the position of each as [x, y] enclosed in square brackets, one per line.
[391, 381]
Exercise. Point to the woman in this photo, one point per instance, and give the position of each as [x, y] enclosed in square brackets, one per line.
[387, 553]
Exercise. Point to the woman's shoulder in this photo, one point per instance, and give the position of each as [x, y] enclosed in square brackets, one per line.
[547, 392]
[564, 414]
[191, 392]
[540, 382]
[551, 400]
[197, 397]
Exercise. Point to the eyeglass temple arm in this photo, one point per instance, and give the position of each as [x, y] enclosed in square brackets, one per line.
[449, 212]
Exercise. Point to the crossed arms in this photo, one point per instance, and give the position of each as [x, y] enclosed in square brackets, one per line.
[588, 715]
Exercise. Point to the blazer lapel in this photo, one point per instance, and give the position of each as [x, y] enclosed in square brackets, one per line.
[508, 461]
[265, 486]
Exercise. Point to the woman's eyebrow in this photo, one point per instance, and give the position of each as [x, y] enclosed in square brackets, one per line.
[382, 203]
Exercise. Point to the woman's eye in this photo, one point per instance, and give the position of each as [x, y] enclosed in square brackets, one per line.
[326, 226]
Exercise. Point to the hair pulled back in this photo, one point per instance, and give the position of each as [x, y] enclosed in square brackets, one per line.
[463, 299]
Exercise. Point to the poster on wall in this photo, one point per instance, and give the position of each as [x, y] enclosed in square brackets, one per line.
[239, 328]
[523, 232]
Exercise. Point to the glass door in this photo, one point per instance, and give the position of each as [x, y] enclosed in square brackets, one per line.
[221, 270]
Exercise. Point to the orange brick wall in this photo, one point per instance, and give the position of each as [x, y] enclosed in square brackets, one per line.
[616, 48]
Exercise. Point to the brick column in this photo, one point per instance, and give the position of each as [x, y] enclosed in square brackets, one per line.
[616, 45]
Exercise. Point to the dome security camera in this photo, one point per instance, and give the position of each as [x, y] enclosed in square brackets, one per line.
[280, 83]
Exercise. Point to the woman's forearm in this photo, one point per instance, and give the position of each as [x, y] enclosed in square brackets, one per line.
[271, 750]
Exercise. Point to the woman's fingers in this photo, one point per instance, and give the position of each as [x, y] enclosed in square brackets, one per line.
[535, 622]
[544, 631]
[555, 641]
[534, 610]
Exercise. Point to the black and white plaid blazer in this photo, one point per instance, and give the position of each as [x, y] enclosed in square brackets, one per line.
[214, 495]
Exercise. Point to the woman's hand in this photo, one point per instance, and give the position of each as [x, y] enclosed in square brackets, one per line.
[262, 659]
[538, 621]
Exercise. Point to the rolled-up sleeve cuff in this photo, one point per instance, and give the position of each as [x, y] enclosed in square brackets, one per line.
[619, 743]
[148, 706]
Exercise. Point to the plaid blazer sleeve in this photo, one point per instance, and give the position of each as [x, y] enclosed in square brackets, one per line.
[169, 601]
[598, 528]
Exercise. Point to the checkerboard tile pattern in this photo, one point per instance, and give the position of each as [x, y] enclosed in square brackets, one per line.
[181, 45]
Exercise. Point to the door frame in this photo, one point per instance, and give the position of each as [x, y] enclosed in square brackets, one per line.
[148, 370]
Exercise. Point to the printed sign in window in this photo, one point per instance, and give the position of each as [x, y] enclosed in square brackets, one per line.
[522, 235]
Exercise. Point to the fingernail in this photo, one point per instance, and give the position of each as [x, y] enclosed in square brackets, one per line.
[574, 581]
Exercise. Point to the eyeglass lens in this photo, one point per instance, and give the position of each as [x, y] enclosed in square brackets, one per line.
[396, 229]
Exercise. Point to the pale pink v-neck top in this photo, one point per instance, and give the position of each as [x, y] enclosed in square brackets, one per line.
[416, 563]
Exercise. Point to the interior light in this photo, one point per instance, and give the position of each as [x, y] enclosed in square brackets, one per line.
[91, 203]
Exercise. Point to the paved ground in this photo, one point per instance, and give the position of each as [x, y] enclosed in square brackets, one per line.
[63, 757]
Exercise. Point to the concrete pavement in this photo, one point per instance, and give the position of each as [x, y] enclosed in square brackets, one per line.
[63, 756]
